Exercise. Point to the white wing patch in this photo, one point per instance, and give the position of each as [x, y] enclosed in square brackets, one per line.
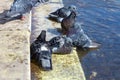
[44, 48]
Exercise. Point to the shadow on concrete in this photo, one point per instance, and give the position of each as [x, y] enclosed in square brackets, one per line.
[54, 19]
[35, 69]
[56, 31]
[4, 19]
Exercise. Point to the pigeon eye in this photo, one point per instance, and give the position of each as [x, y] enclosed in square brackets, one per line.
[69, 7]
[74, 8]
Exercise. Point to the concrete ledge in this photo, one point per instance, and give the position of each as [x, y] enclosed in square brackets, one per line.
[5, 4]
[65, 67]
[14, 55]
[40, 21]
[14, 47]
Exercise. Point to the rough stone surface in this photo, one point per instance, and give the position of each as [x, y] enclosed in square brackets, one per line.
[14, 47]
[14, 55]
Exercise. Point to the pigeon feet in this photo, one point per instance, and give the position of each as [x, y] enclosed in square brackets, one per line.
[22, 18]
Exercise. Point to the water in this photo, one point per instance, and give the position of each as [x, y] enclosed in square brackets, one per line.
[100, 20]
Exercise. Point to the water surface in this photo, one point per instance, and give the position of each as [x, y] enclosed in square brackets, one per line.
[101, 21]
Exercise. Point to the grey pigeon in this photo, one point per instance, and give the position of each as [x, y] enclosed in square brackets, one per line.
[61, 44]
[42, 1]
[68, 22]
[41, 52]
[62, 13]
[20, 7]
[79, 38]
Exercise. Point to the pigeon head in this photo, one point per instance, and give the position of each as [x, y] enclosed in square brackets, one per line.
[44, 57]
[73, 15]
[72, 8]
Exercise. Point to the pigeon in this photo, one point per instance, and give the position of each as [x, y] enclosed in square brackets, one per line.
[61, 44]
[79, 38]
[42, 1]
[41, 52]
[20, 7]
[68, 22]
[62, 13]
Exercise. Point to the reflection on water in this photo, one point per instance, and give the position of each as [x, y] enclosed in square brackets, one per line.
[100, 20]
[83, 52]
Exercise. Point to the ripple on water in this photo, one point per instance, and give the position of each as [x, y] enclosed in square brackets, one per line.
[101, 23]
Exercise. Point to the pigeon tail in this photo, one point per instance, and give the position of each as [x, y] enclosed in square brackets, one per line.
[92, 45]
[42, 36]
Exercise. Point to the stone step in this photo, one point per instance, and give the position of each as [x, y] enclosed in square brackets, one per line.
[14, 47]
[14, 55]
[65, 67]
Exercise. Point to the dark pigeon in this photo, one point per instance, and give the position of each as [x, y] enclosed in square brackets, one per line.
[20, 7]
[62, 13]
[61, 44]
[79, 38]
[41, 52]
[68, 22]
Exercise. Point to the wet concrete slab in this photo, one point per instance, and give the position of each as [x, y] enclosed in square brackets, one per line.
[65, 67]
